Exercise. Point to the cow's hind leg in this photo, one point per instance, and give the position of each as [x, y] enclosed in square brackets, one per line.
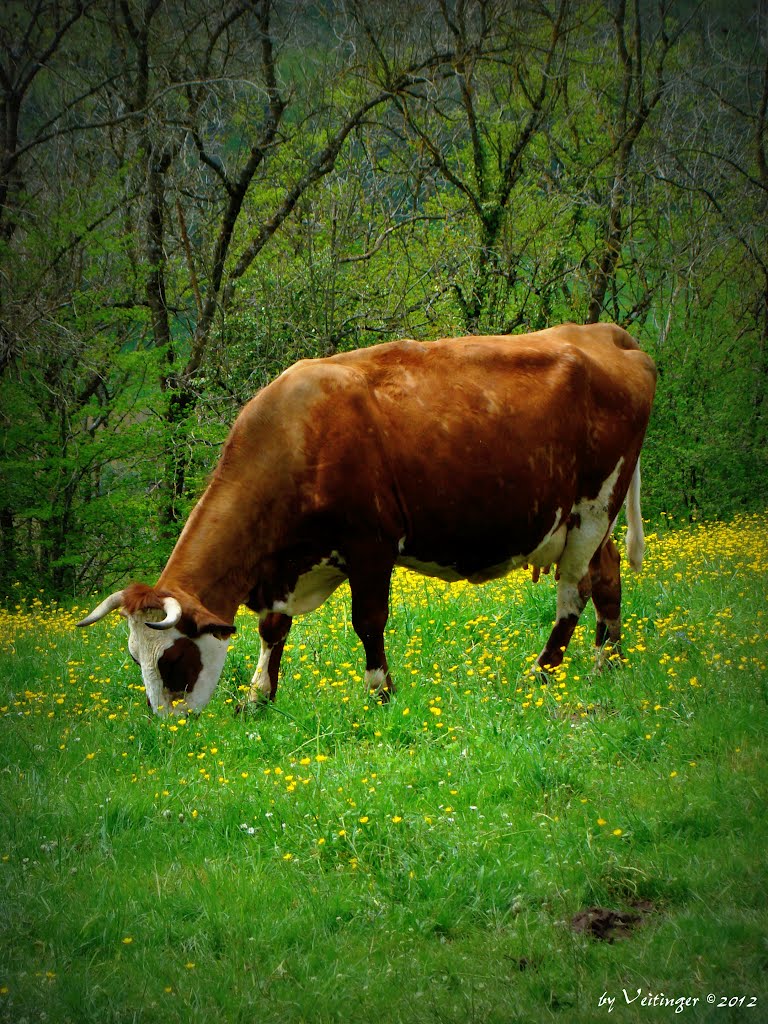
[370, 610]
[273, 630]
[588, 528]
[606, 597]
[572, 596]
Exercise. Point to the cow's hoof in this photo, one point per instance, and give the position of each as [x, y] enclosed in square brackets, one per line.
[384, 695]
[248, 708]
[608, 657]
[543, 674]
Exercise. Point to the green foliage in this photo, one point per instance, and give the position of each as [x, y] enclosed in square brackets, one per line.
[516, 183]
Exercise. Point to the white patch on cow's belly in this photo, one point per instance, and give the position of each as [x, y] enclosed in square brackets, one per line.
[439, 572]
[546, 553]
[313, 587]
[594, 521]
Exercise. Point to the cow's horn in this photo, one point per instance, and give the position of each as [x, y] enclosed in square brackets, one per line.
[172, 614]
[112, 602]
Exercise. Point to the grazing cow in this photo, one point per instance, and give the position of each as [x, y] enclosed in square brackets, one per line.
[463, 459]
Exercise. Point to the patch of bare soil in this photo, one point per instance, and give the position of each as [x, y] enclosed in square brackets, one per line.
[609, 925]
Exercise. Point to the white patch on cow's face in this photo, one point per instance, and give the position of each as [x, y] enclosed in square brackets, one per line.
[594, 519]
[147, 646]
[313, 587]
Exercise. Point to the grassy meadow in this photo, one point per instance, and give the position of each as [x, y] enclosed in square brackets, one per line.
[328, 859]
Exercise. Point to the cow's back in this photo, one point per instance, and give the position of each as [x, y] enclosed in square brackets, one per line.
[490, 439]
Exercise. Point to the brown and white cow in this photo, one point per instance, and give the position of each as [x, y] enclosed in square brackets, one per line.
[463, 458]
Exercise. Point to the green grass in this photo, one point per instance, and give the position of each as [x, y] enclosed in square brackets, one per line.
[332, 860]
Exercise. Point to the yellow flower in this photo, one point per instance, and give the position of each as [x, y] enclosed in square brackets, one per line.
[601, 821]
[364, 819]
[127, 940]
[396, 819]
[617, 831]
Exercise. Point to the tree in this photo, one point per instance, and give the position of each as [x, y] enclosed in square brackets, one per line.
[474, 133]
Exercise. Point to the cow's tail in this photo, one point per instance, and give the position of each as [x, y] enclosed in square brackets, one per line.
[635, 535]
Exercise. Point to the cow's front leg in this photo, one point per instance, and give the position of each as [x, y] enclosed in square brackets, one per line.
[572, 596]
[273, 630]
[370, 611]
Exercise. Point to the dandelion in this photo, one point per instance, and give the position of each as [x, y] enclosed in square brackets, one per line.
[618, 832]
[601, 821]
[127, 940]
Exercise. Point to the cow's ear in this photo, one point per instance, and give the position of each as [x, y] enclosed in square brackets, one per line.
[209, 624]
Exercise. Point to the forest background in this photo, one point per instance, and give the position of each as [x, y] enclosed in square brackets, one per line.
[193, 195]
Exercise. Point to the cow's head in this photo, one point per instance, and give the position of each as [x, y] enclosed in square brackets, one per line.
[179, 645]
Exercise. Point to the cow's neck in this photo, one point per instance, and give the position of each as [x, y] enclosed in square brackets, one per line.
[213, 557]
